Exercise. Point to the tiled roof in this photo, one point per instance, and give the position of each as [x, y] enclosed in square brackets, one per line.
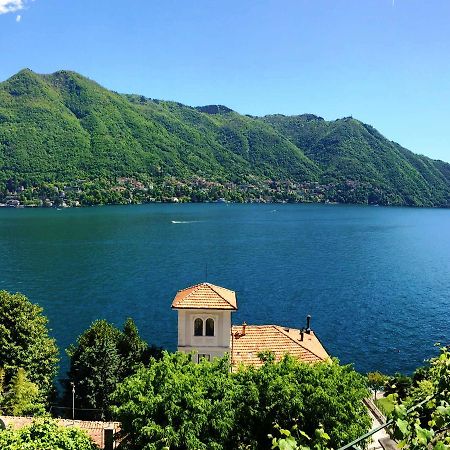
[94, 429]
[245, 345]
[205, 296]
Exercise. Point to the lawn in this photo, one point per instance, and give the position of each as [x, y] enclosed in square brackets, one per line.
[385, 404]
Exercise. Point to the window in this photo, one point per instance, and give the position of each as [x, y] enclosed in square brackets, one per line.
[209, 327]
[204, 356]
[198, 327]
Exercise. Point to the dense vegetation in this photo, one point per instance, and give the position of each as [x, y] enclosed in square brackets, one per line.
[95, 376]
[45, 434]
[422, 411]
[187, 406]
[165, 400]
[65, 140]
[28, 356]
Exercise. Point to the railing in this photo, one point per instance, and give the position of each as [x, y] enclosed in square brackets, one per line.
[353, 445]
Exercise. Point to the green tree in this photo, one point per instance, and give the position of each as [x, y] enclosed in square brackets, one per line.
[176, 403]
[25, 342]
[310, 396]
[376, 380]
[45, 434]
[102, 357]
[187, 406]
[22, 396]
[398, 384]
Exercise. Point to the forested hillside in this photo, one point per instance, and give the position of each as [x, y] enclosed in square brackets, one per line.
[65, 140]
[347, 149]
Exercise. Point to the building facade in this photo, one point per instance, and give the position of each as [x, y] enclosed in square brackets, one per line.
[205, 329]
[204, 320]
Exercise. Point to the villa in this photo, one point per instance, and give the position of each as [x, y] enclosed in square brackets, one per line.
[205, 328]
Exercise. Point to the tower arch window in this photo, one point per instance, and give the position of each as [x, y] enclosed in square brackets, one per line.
[198, 327]
[209, 327]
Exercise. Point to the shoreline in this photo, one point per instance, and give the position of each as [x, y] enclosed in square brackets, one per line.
[60, 208]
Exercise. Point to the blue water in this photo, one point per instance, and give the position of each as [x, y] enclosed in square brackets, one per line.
[375, 280]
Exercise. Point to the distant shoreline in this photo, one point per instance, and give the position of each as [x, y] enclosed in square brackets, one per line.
[82, 207]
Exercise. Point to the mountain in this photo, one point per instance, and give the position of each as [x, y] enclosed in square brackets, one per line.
[64, 139]
[347, 149]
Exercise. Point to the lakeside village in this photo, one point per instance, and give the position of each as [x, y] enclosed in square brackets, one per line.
[128, 190]
[206, 333]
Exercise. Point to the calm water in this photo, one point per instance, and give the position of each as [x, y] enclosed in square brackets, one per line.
[375, 280]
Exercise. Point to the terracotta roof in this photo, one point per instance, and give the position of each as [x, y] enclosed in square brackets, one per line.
[280, 340]
[205, 296]
[95, 430]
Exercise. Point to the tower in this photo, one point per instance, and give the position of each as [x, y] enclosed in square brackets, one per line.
[204, 319]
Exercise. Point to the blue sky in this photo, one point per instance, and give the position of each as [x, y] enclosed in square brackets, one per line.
[385, 62]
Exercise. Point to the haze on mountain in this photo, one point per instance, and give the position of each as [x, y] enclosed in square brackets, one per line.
[63, 127]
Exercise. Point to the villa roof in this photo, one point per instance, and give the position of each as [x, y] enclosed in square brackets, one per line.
[205, 296]
[248, 341]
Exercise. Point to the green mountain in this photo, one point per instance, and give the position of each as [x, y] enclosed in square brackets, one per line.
[347, 149]
[66, 140]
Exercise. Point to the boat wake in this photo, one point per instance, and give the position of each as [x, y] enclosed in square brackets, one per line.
[184, 221]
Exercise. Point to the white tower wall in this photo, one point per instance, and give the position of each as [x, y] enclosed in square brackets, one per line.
[210, 346]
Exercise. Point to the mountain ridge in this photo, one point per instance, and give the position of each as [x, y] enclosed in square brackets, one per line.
[57, 129]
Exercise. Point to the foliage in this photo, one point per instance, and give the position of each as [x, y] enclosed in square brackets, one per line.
[399, 385]
[45, 434]
[25, 344]
[347, 149]
[312, 396]
[427, 426]
[386, 404]
[21, 397]
[296, 439]
[177, 403]
[64, 139]
[182, 405]
[376, 381]
[102, 357]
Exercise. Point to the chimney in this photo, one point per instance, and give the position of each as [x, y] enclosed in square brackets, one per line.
[244, 326]
[302, 332]
[308, 324]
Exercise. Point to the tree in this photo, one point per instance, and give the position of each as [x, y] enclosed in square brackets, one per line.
[45, 434]
[398, 384]
[22, 397]
[25, 342]
[102, 357]
[176, 403]
[310, 396]
[187, 406]
[376, 380]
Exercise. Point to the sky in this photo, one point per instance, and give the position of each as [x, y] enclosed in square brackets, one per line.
[385, 62]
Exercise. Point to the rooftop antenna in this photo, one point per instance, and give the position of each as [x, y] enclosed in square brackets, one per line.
[206, 272]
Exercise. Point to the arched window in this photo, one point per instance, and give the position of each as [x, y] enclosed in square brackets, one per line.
[198, 327]
[210, 327]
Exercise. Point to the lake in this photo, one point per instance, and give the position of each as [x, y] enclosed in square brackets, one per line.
[375, 280]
